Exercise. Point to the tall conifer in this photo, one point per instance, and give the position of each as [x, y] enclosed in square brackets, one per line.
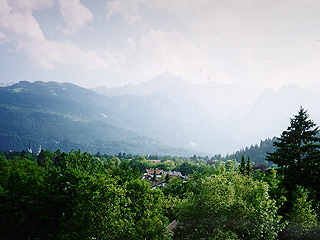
[298, 152]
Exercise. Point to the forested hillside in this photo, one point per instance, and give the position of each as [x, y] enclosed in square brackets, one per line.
[257, 153]
[65, 116]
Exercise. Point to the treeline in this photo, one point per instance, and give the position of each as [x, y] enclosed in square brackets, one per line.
[257, 153]
[76, 195]
[81, 196]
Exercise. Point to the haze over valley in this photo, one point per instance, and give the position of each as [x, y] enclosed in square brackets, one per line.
[164, 115]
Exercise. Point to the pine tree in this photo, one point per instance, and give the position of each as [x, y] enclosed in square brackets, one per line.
[242, 167]
[245, 167]
[248, 167]
[297, 152]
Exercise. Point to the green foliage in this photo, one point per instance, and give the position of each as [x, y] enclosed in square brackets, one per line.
[97, 211]
[23, 211]
[167, 178]
[179, 188]
[302, 218]
[230, 165]
[80, 197]
[302, 212]
[297, 152]
[146, 211]
[297, 156]
[257, 152]
[245, 167]
[242, 167]
[45, 157]
[230, 205]
[77, 195]
[187, 168]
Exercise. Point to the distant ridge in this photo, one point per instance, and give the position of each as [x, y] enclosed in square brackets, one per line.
[214, 117]
[165, 115]
[66, 116]
[157, 84]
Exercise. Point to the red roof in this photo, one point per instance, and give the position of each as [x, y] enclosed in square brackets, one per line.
[155, 160]
[151, 171]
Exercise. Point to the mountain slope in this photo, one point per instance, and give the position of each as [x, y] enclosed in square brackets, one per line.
[210, 117]
[66, 116]
[182, 114]
[271, 112]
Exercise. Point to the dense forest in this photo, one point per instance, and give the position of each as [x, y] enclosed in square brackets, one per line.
[257, 153]
[77, 195]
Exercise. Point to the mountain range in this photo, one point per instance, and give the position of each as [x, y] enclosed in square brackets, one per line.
[65, 116]
[165, 115]
[213, 117]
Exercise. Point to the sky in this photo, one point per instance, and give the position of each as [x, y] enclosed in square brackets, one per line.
[252, 43]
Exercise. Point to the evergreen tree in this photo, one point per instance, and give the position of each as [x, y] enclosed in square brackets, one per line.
[297, 155]
[245, 167]
[242, 167]
[248, 167]
[297, 152]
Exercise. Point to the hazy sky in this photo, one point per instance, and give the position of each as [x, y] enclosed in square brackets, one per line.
[253, 43]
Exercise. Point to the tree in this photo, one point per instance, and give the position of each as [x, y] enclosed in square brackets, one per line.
[242, 167]
[248, 166]
[297, 156]
[297, 153]
[187, 168]
[167, 178]
[230, 165]
[22, 206]
[45, 156]
[145, 212]
[302, 218]
[228, 206]
[245, 167]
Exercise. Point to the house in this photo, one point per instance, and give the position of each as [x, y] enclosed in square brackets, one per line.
[160, 178]
[148, 174]
[174, 174]
[155, 160]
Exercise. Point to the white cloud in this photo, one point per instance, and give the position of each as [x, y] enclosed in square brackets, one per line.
[21, 28]
[130, 10]
[74, 14]
[46, 53]
[305, 74]
[161, 51]
[131, 43]
[21, 23]
[2, 36]
[246, 42]
[31, 4]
